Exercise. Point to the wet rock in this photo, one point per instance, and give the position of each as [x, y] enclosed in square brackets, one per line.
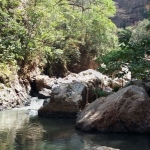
[125, 111]
[64, 100]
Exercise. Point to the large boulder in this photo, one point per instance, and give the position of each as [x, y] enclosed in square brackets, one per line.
[71, 94]
[65, 99]
[128, 110]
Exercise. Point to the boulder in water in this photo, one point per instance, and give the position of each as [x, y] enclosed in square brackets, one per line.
[128, 110]
[71, 94]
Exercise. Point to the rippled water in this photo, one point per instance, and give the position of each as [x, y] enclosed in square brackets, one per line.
[19, 130]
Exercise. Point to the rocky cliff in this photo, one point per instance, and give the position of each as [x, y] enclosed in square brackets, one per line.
[129, 12]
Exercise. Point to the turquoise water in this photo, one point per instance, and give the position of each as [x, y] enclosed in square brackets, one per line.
[22, 130]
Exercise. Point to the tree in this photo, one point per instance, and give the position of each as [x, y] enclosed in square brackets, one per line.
[74, 28]
[131, 53]
[58, 31]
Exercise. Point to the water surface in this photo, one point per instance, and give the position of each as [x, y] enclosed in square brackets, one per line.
[22, 130]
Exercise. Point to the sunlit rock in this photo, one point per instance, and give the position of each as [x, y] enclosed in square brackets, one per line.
[71, 94]
[125, 111]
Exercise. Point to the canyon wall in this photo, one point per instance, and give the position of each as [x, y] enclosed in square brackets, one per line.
[129, 12]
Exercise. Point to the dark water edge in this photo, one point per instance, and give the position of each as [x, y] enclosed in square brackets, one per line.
[21, 130]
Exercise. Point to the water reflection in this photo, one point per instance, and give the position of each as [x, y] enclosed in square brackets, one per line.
[20, 131]
[10, 123]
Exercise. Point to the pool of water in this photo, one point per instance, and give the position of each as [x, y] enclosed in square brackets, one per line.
[22, 130]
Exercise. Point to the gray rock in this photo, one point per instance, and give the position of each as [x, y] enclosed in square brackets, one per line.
[125, 111]
[139, 83]
[44, 94]
[43, 81]
[12, 94]
[65, 100]
[71, 94]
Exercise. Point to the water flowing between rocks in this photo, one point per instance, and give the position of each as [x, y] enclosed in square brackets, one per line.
[22, 129]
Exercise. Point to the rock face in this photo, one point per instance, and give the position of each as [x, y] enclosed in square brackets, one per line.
[125, 111]
[14, 94]
[129, 12]
[72, 93]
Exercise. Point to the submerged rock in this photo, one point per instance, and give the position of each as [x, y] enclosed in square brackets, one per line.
[128, 110]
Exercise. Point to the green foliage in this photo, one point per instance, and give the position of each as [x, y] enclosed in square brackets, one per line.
[57, 31]
[100, 93]
[115, 89]
[17, 34]
[76, 27]
[131, 54]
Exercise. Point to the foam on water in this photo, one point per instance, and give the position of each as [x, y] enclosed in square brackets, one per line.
[35, 105]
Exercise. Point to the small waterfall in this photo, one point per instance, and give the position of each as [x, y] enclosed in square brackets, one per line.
[34, 106]
[36, 103]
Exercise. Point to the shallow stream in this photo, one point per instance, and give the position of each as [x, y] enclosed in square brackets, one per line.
[21, 129]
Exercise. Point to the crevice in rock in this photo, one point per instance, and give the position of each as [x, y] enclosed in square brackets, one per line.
[33, 91]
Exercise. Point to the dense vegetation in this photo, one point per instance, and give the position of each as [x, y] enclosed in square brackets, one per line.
[56, 34]
[132, 53]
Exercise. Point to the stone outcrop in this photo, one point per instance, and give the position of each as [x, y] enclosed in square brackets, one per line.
[14, 93]
[70, 94]
[129, 12]
[124, 111]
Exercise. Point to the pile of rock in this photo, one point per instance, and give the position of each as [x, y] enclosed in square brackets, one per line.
[70, 94]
